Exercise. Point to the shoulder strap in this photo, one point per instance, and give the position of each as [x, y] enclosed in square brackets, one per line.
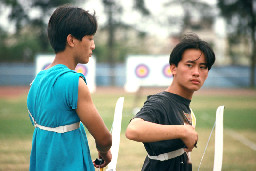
[193, 118]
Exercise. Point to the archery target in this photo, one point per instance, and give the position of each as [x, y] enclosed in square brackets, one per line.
[45, 66]
[88, 70]
[82, 69]
[147, 70]
[142, 71]
[167, 71]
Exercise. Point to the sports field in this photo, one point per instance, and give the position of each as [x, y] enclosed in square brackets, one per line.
[239, 127]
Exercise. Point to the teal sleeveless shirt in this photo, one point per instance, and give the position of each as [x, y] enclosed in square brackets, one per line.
[52, 100]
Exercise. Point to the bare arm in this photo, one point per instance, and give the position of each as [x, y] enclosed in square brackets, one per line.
[144, 131]
[90, 117]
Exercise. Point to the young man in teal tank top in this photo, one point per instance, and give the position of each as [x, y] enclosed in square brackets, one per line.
[59, 99]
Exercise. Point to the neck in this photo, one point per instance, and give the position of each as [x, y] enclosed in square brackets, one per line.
[180, 91]
[65, 59]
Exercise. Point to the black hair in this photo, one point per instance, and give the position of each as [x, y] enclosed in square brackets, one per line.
[192, 41]
[67, 20]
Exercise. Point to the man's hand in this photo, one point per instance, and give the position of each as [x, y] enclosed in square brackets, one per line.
[106, 157]
[190, 137]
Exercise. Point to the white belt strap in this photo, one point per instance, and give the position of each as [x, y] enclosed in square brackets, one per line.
[167, 156]
[60, 129]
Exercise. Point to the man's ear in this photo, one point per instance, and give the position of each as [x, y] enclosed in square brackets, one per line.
[173, 69]
[70, 40]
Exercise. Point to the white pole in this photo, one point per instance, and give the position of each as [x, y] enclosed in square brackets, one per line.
[116, 129]
[218, 154]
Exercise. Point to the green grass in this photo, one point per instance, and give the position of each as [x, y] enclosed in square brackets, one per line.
[14, 120]
[240, 112]
[16, 131]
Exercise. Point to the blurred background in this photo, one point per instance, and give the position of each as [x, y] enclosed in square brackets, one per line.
[134, 27]
[137, 28]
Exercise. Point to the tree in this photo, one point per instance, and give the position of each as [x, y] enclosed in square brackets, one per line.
[113, 9]
[46, 7]
[191, 9]
[24, 21]
[241, 19]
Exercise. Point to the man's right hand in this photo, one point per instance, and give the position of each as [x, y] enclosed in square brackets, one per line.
[190, 137]
[106, 157]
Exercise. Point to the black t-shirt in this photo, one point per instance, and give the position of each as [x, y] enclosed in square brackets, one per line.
[167, 109]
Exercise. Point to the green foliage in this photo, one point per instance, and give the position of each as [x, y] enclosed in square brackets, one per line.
[239, 14]
[140, 6]
[241, 18]
[100, 52]
[30, 36]
[203, 10]
[21, 48]
[241, 23]
[122, 46]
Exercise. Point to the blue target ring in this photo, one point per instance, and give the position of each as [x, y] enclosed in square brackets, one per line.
[45, 66]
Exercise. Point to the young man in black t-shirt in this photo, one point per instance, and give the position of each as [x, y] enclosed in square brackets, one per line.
[165, 123]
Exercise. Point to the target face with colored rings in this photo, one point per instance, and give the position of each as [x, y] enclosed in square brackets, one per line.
[142, 71]
[45, 66]
[81, 69]
[167, 71]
